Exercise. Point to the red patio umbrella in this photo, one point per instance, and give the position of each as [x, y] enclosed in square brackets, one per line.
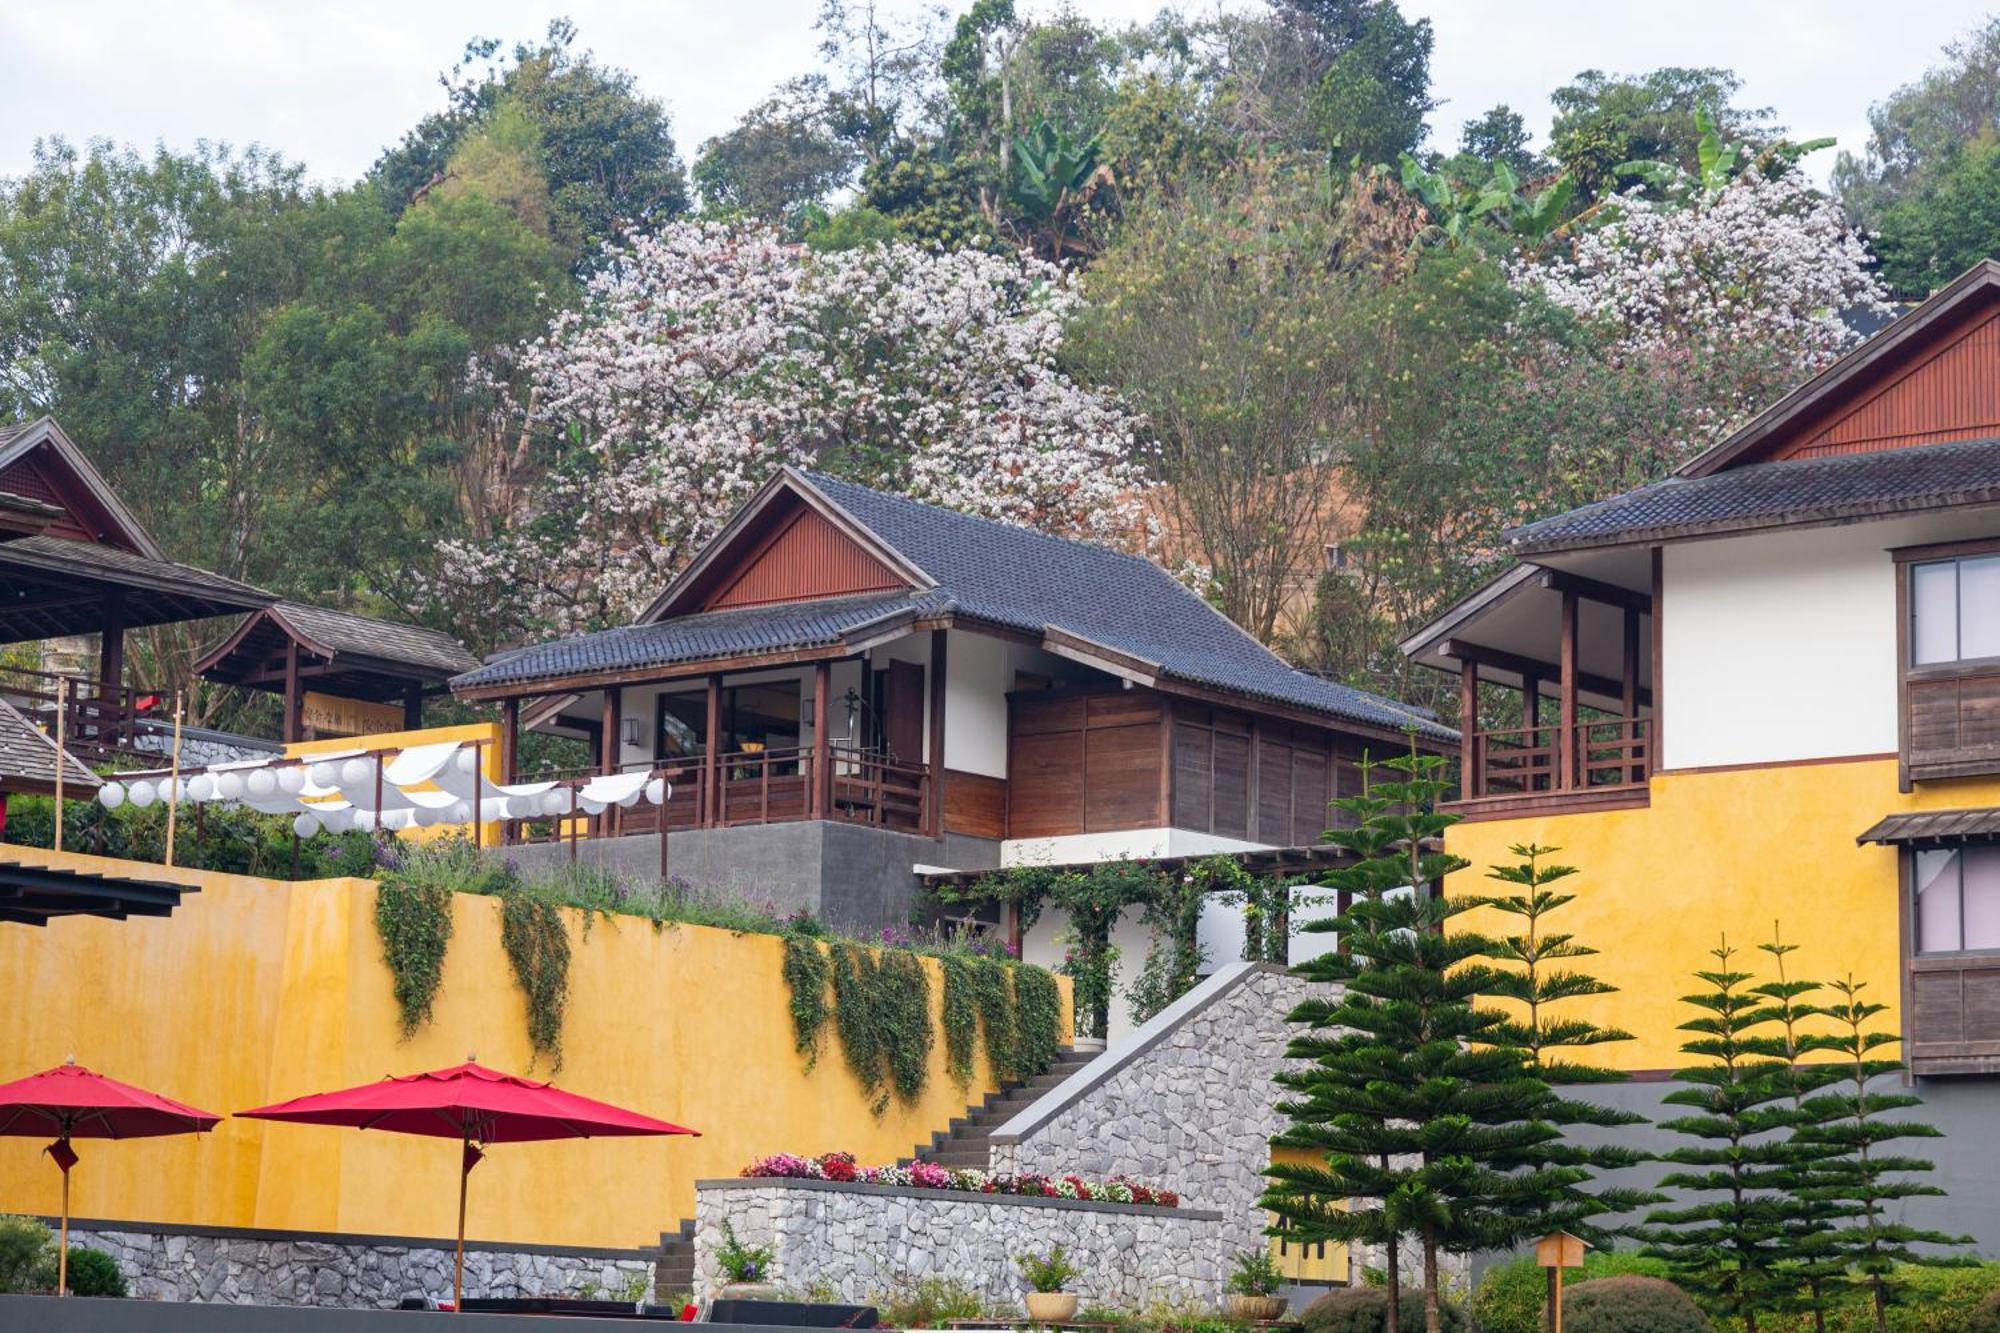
[473, 1104]
[70, 1102]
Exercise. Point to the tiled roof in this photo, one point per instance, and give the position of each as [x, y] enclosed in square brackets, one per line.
[740, 632]
[139, 571]
[365, 636]
[991, 571]
[28, 757]
[1934, 826]
[1761, 495]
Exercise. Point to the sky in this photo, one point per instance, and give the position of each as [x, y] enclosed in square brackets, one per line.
[330, 82]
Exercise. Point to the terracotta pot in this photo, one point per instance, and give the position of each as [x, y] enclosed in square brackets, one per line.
[1052, 1307]
[1252, 1309]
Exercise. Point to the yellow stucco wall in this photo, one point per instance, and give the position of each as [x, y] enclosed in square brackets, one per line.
[254, 991]
[1715, 852]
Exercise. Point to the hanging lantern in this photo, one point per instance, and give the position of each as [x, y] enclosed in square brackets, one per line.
[142, 794]
[305, 824]
[325, 773]
[229, 786]
[111, 795]
[291, 781]
[355, 772]
[261, 784]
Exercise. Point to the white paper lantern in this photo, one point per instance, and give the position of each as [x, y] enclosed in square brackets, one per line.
[464, 760]
[291, 781]
[305, 824]
[461, 813]
[201, 787]
[325, 773]
[335, 821]
[355, 772]
[555, 801]
[111, 795]
[229, 786]
[262, 784]
[142, 794]
[656, 791]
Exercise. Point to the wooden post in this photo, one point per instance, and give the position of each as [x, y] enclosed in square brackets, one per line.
[934, 782]
[174, 779]
[608, 742]
[711, 787]
[62, 1242]
[478, 788]
[1635, 771]
[294, 728]
[413, 708]
[111, 670]
[822, 760]
[62, 712]
[510, 740]
[1531, 718]
[1468, 729]
[1566, 774]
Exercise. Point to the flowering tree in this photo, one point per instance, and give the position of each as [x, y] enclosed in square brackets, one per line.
[1760, 260]
[706, 357]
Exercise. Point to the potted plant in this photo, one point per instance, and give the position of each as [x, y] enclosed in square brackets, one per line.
[745, 1268]
[1047, 1275]
[1253, 1288]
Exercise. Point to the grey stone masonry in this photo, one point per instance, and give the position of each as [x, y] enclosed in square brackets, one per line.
[276, 1268]
[1186, 1101]
[863, 1241]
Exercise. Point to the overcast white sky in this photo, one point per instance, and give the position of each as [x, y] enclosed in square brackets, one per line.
[329, 82]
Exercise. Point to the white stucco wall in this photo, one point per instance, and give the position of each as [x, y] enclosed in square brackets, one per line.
[978, 673]
[1782, 646]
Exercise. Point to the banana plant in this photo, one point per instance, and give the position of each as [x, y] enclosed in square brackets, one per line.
[1055, 176]
[1716, 163]
[1532, 218]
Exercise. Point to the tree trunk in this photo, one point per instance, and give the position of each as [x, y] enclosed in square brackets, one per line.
[1433, 1317]
[1395, 1290]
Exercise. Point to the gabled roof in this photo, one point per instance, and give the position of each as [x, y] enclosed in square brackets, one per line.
[1975, 290]
[1086, 600]
[396, 652]
[29, 757]
[51, 586]
[1789, 493]
[43, 443]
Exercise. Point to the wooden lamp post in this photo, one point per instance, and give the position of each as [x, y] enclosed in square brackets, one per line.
[1556, 1251]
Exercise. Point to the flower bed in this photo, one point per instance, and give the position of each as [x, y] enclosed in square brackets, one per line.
[840, 1167]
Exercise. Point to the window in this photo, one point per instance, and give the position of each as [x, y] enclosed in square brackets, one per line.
[1957, 899]
[1955, 610]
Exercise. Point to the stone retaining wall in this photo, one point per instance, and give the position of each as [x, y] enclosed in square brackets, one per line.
[861, 1241]
[236, 1267]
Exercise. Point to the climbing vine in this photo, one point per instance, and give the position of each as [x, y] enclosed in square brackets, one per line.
[961, 1017]
[882, 1011]
[414, 922]
[1038, 1014]
[807, 971]
[537, 944]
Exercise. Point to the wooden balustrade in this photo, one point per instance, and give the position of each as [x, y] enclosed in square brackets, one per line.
[97, 727]
[1589, 755]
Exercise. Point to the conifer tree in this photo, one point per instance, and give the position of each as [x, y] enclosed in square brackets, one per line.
[1429, 1126]
[1540, 979]
[1726, 1248]
[1861, 1177]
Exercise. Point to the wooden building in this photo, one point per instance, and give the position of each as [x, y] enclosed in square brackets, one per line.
[975, 693]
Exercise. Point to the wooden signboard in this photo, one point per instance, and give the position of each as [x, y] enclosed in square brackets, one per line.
[331, 715]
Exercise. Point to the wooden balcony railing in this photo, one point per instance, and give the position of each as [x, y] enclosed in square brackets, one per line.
[1588, 756]
[754, 787]
[97, 727]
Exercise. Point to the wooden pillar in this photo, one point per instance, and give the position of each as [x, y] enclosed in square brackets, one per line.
[294, 729]
[822, 759]
[1468, 729]
[934, 787]
[610, 726]
[510, 740]
[111, 720]
[413, 708]
[1566, 774]
[1531, 718]
[1635, 771]
[711, 786]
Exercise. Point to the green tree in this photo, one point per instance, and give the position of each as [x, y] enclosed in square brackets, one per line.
[1426, 1125]
[1537, 972]
[1943, 225]
[1727, 1242]
[1862, 1176]
[1375, 93]
[781, 158]
[1604, 121]
[1917, 131]
[1499, 136]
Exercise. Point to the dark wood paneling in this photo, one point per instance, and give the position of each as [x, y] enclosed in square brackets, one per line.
[1121, 777]
[903, 712]
[1232, 785]
[1952, 724]
[1274, 793]
[1954, 1012]
[1948, 391]
[1037, 716]
[1045, 785]
[1311, 813]
[1194, 776]
[975, 804]
[1084, 763]
[804, 557]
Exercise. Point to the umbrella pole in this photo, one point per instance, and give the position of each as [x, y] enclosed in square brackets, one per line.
[458, 1263]
[62, 1251]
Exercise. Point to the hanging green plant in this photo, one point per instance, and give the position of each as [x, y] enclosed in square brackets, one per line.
[414, 923]
[961, 1017]
[853, 1000]
[807, 972]
[537, 944]
[902, 1013]
[1038, 1010]
[993, 993]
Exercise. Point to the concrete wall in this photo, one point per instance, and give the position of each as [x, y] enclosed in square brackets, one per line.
[861, 1239]
[254, 991]
[236, 1267]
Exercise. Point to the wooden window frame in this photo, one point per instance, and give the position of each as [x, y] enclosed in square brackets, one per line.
[1909, 673]
[1928, 1057]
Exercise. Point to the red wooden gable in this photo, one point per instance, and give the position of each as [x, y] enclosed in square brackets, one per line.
[43, 474]
[798, 556]
[1946, 389]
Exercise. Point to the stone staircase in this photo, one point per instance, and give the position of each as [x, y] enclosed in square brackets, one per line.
[964, 1142]
[673, 1274]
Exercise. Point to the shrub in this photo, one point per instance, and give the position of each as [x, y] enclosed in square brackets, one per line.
[1985, 1317]
[1256, 1274]
[1939, 1300]
[25, 1249]
[1509, 1298]
[1631, 1304]
[929, 1302]
[1366, 1310]
[1047, 1272]
[94, 1273]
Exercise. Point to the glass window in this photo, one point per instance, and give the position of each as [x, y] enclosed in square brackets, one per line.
[1955, 610]
[1958, 899]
